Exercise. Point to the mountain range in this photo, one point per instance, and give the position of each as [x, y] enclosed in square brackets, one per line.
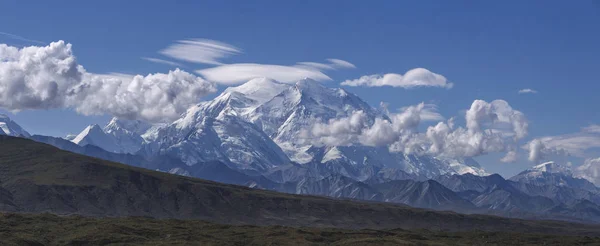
[40, 178]
[251, 135]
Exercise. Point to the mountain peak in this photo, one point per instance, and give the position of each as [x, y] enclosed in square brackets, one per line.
[11, 128]
[93, 129]
[259, 89]
[308, 84]
[135, 126]
[551, 167]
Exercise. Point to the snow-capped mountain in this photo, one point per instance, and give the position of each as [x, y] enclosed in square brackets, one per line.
[198, 138]
[94, 135]
[551, 173]
[216, 140]
[10, 128]
[119, 136]
[257, 126]
[127, 134]
[338, 186]
[298, 107]
[218, 130]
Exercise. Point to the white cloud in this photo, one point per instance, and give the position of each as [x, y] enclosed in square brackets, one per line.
[480, 135]
[527, 91]
[333, 64]
[338, 132]
[592, 129]
[315, 65]
[161, 61]
[590, 170]
[341, 63]
[510, 157]
[154, 97]
[429, 112]
[120, 76]
[204, 51]
[536, 147]
[231, 74]
[49, 77]
[37, 77]
[570, 144]
[418, 77]
[358, 128]
[443, 139]
[574, 144]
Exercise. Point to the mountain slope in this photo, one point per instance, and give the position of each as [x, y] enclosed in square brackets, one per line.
[94, 135]
[41, 178]
[465, 182]
[551, 173]
[336, 186]
[424, 194]
[127, 134]
[257, 127]
[10, 128]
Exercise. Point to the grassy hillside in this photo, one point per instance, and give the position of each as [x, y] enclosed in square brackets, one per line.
[38, 178]
[45, 229]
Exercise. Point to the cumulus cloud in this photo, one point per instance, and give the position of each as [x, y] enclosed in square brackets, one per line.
[429, 112]
[338, 132]
[535, 150]
[590, 170]
[418, 77]
[358, 128]
[154, 97]
[204, 51]
[400, 131]
[49, 77]
[231, 74]
[37, 77]
[161, 61]
[479, 137]
[527, 91]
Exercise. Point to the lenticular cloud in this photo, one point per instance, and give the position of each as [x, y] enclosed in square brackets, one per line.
[50, 77]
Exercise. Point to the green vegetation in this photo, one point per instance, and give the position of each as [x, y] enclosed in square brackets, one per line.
[46, 229]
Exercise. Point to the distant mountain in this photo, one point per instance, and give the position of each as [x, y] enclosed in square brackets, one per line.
[423, 194]
[337, 186]
[127, 134]
[504, 197]
[256, 127]
[118, 136]
[490, 194]
[10, 128]
[36, 178]
[494, 192]
[551, 173]
[94, 135]
[249, 136]
[467, 181]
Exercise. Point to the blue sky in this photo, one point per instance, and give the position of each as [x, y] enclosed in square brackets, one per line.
[488, 50]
